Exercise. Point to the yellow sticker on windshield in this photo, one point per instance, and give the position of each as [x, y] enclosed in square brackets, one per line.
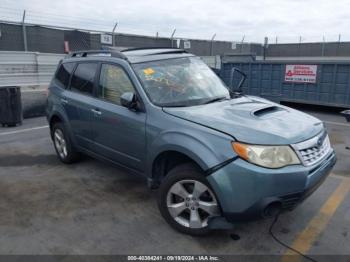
[148, 71]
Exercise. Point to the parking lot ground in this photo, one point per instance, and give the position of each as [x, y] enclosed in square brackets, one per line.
[91, 207]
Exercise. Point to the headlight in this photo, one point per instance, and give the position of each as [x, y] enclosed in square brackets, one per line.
[266, 156]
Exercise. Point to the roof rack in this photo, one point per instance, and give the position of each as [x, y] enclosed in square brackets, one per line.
[96, 53]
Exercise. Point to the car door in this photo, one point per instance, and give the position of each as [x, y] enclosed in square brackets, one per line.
[78, 99]
[119, 133]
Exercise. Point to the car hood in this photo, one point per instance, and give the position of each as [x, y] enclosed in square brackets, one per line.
[252, 120]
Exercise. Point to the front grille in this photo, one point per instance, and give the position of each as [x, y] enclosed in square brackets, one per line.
[312, 151]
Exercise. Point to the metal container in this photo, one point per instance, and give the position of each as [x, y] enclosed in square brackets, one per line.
[267, 79]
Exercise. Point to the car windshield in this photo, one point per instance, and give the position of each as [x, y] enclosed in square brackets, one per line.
[180, 82]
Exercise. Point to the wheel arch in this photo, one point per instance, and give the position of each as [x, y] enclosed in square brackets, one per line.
[167, 160]
[58, 116]
[173, 148]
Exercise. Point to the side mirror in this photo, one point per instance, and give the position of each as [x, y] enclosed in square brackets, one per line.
[129, 100]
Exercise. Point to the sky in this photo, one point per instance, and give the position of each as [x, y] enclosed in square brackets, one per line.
[235, 20]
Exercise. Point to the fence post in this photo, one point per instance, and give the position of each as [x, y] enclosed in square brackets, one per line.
[24, 32]
[113, 34]
[211, 44]
[266, 43]
[323, 45]
[172, 38]
[241, 47]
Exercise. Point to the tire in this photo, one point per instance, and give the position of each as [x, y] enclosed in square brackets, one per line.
[187, 211]
[63, 145]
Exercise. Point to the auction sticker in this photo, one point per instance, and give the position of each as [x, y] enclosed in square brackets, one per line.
[300, 73]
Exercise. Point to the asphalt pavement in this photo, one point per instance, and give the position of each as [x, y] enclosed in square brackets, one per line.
[91, 207]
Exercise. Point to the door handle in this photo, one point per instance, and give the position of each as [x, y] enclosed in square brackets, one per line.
[64, 101]
[96, 111]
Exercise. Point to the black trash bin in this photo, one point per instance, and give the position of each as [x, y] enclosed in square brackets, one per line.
[10, 106]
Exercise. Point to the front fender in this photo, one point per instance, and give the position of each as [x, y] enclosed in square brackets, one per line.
[207, 150]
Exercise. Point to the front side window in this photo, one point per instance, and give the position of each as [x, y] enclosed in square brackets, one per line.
[180, 82]
[113, 83]
[64, 73]
[83, 78]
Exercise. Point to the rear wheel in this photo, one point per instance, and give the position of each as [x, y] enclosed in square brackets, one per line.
[186, 200]
[63, 146]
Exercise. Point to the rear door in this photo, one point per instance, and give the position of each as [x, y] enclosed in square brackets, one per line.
[78, 99]
[119, 133]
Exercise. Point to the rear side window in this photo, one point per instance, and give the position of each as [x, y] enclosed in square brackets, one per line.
[83, 78]
[64, 73]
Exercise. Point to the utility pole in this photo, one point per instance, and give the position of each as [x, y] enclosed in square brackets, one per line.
[172, 37]
[211, 44]
[24, 32]
[113, 34]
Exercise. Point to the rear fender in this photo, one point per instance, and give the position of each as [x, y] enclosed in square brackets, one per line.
[58, 110]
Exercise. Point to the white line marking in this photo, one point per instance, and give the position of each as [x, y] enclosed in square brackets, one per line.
[23, 130]
[336, 123]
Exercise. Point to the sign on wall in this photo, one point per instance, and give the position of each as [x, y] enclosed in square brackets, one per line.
[187, 44]
[106, 39]
[300, 73]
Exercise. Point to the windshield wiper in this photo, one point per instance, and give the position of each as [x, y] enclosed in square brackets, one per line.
[217, 99]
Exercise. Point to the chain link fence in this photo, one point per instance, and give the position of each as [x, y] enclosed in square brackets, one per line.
[39, 38]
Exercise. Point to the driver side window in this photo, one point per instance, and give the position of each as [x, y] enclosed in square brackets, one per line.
[113, 83]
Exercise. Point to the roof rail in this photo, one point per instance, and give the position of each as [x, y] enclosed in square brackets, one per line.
[86, 53]
[167, 50]
[147, 48]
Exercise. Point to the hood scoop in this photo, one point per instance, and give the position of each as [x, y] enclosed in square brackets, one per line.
[267, 111]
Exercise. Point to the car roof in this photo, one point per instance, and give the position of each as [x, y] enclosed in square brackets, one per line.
[135, 55]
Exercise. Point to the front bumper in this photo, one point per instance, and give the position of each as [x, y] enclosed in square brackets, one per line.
[245, 190]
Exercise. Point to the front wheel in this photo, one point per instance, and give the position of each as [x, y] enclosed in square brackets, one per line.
[186, 200]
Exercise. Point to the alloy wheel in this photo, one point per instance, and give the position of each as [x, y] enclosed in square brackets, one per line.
[60, 143]
[191, 203]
